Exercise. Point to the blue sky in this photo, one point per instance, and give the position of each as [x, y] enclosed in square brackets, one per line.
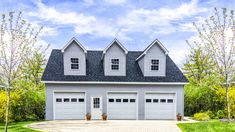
[135, 23]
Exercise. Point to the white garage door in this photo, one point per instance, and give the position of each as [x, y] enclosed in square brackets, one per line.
[160, 106]
[69, 105]
[122, 106]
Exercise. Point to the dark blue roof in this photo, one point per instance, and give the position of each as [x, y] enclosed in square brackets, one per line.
[94, 71]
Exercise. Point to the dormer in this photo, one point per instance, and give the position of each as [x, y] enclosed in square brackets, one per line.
[152, 61]
[74, 56]
[114, 59]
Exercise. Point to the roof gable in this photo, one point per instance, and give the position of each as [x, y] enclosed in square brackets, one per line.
[115, 41]
[76, 42]
[155, 42]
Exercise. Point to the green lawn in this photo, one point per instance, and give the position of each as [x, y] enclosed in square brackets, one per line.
[211, 126]
[17, 127]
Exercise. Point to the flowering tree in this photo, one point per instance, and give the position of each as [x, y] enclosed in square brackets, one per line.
[17, 40]
[217, 39]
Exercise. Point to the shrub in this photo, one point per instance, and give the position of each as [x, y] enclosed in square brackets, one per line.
[201, 116]
[26, 104]
[211, 114]
[220, 114]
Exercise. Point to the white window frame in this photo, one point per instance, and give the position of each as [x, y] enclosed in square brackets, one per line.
[157, 64]
[115, 64]
[74, 63]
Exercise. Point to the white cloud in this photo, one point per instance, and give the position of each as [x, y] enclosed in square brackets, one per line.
[48, 31]
[160, 20]
[83, 24]
[89, 2]
[115, 2]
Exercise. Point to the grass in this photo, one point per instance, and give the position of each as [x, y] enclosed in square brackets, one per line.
[17, 127]
[210, 126]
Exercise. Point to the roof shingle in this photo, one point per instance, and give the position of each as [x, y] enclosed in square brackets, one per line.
[94, 71]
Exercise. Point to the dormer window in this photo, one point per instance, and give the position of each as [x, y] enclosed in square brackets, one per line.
[115, 64]
[74, 63]
[154, 65]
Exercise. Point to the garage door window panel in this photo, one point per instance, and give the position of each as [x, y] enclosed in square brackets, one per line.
[81, 100]
[163, 100]
[132, 100]
[155, 100]
[125, 100]
[148, 100]
[74, 99]
[58, 100]
[169, 100]
[111, 100]
[118, 100]
[66, 99]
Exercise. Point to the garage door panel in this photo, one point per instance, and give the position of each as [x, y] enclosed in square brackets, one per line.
[122, 110]
[67, 109]
[158, 109]
[70, 117]
[69, 106]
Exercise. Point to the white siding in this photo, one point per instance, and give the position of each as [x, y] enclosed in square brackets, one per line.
[115, 52]
[103, 90]
[74, 51]
[155, 53]
[141, 64]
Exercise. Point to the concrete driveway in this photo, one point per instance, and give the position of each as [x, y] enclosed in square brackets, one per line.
[107, 126]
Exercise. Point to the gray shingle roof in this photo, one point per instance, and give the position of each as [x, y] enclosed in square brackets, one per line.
[94, 72]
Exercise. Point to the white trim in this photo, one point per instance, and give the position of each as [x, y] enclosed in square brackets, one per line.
[137, 100]
[156, 41]
[115, 40]
[164, 92]
[77, 42]
[68, 91]
[131, 83]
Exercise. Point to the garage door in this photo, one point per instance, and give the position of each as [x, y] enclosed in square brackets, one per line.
[69, 105]
[160, 106]
[122, 106]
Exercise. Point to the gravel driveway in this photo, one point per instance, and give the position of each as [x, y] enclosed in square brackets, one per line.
[107, 126]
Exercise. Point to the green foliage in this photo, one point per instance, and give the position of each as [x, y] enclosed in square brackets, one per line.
[28, 93]
[220, 114]
[26, 104]
[18, 127]
[201, 98]
[32, 68]
[211, 114]
[211, 126]
[199, 68]
[201, 116]
[205, 91]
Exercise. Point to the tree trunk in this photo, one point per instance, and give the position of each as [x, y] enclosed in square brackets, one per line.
[227, 100]
[8, 107]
